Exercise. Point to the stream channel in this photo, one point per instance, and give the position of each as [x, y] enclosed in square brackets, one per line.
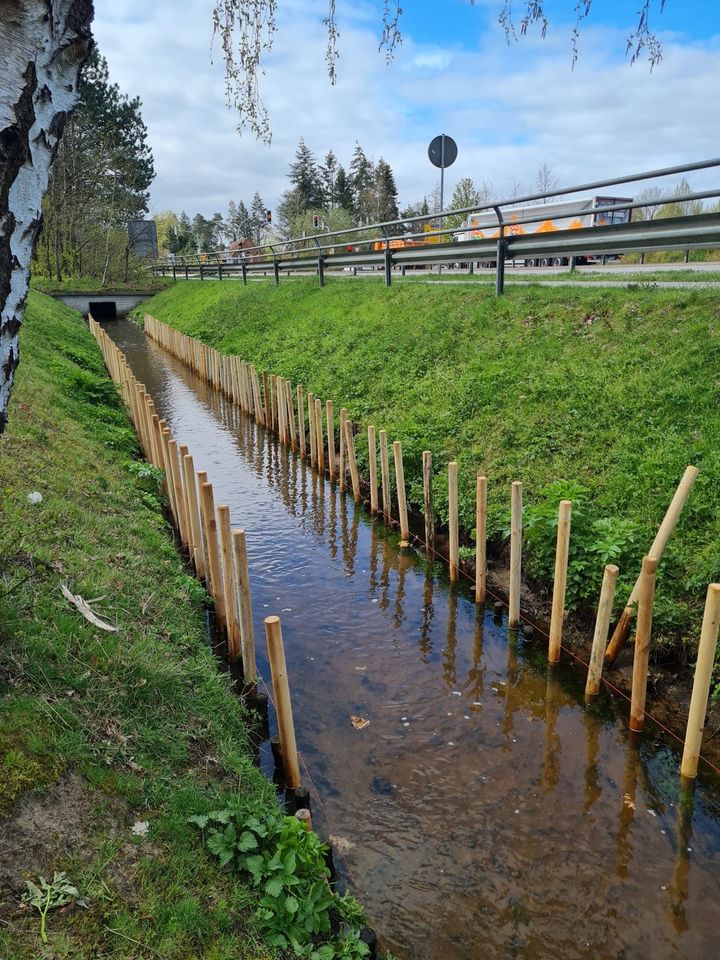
[484, 813]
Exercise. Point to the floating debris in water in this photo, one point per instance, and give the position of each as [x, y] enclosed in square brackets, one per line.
[359, 722]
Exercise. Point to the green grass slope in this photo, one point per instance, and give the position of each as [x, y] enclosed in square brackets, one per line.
[100, 731]
[606, 395]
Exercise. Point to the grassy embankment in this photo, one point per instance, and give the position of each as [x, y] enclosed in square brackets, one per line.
[604, 275]
[100, 732]
[606, 394]
[144, 284]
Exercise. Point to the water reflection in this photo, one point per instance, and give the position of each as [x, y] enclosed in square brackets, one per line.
[484, 811]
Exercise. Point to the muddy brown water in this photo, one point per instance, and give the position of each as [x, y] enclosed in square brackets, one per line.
[484, 812]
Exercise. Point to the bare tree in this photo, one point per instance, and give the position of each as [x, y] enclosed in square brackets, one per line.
[43, 44]
[545, 179]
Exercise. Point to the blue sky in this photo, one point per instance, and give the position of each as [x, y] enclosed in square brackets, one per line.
[510, 108]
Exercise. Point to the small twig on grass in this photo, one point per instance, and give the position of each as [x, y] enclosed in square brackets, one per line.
[137, 943]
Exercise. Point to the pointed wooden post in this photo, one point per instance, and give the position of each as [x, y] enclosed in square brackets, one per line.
[515, 553]
[562, 552]
[428, 503]
[372, 470]
[229, 582]
[480, 539]
[401, 500]
[701, 683]
[283, 705]
[385, 475]
[207, 509]
[247, 636]
[602, 625]
[453, 522]
[643, 633]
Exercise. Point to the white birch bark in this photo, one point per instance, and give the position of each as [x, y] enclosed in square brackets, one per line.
[43, 44]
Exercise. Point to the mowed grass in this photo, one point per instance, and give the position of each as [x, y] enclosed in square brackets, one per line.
[142, 716]
[617, 390]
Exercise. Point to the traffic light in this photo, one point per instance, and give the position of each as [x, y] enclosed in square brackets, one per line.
[316, 220]
[268, 216]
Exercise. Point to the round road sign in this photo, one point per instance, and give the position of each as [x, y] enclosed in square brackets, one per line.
[442, 151]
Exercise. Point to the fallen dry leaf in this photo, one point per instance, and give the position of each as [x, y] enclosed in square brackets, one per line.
[359, 722]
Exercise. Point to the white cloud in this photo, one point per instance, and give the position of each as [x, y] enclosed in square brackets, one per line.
[508, 108]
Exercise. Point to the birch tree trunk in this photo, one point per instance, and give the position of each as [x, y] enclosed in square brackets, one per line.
[43, 44]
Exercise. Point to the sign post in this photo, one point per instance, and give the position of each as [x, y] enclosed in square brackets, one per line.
[443, 153]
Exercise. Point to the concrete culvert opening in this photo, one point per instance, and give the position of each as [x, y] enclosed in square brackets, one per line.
[103, 309]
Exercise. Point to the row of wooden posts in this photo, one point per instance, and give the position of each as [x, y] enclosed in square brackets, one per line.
[271, 400]
[217, 552]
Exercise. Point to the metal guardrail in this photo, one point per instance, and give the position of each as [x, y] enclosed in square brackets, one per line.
[309, 253]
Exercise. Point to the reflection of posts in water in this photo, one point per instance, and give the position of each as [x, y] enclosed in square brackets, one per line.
[476, 674]
[592, 781]
[683, 835]
[332, 520]
[349, 536]
[404, 563]
[387, 554]
[428, 615]
[303, 487]
[627, 809]
[450, 651]
[354, 532]
[320, 509]
[511, 677]
[551, 755]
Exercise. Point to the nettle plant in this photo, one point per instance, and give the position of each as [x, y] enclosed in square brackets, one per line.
[286, 866]
[594, 541]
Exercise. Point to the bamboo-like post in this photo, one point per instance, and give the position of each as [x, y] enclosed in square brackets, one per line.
[273, 408]
[157, 433]
[454, 529]
[562, 552]
[665, 530]
[266, 400]
[198, 549]
[281, 689]
[385, 475]
[372, 469]
[515, 553]
[179, 492]
[319, 445]
[341, 448]
[701, 682]
[311, 428]
[281, 409]
[207, 508]
[401, 500]
[330, 424]
[643, 633]
[247, 636]
[602, 625]
[229, 583]
[428, 502]
[352, 462]
[301, 419]
[291, 413]
[480, 539]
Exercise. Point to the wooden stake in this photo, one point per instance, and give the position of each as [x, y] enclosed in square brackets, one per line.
[401, 501]
[562, 552]
[305, 818]
[454, 530]
[701, 683]
[428, 503]
[350, 447]
[665, 530]
[198, 549]
[207, 509]
[247, 636]
[643, 633]
[311, 428]
[273, 409]
[179, 492]
[385, 475]
[281, 407]
[372, 469]
[229, 591]
[281, 689]
[330, 425]
[266, 400]
[480, 539]
[515, 553]
[301, 419]
[319, 444]
[341, 450]
[602, 624]
[291, 413]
